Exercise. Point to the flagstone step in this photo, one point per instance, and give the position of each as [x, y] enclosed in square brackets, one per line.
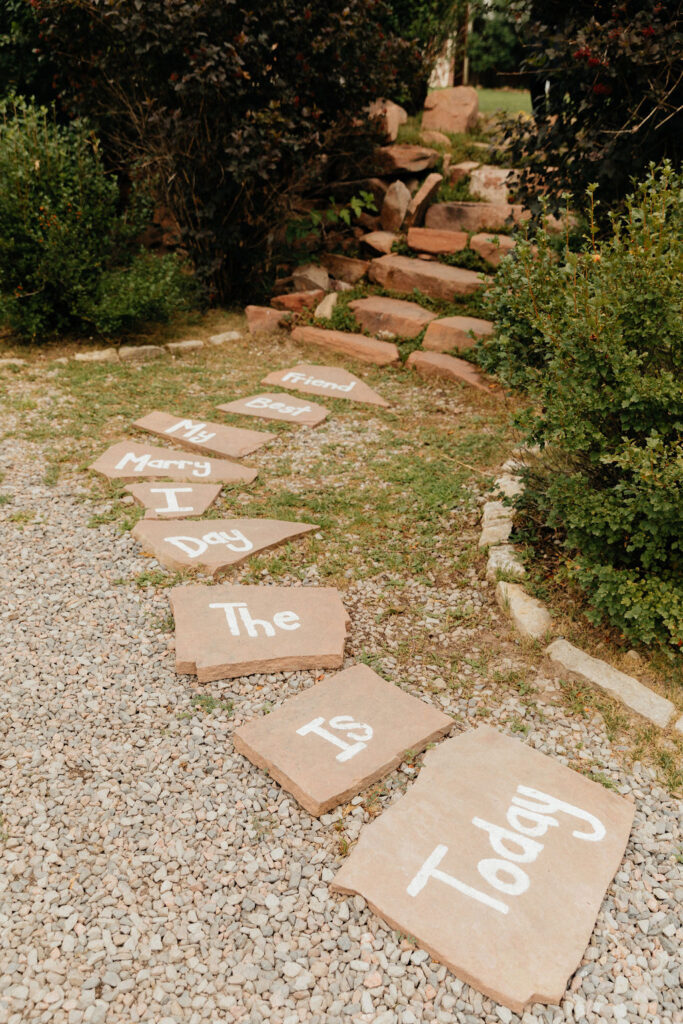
[278, 407]
[452, 333]
[402, 318]
[296, 302]
[437, 280]
[435, 364]
[131, 461]
[232, 442]
[171, 501]
[474, 216]
[368, 350]
[437, 242]
[330, 381]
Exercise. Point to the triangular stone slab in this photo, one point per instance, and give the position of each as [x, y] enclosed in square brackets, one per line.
[278, 407]
[325, 380]
[227, 631]
[213, 544]
[497, 861]
[232, 442]
[171, 501]
[328, 743]
[129, 460]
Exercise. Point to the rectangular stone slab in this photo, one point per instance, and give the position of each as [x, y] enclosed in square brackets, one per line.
[233, 442]
[213, 544]
[328, 743]
[227, 631]
[367, 350]
[278, 407]
[378, 313]
[439, 281]
[497, 861]
[332, 381]
[174, 501]
[131, 461]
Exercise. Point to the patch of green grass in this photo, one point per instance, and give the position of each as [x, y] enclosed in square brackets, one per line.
[603, 779]
[5, 499]
[22, 515]
[510, 101]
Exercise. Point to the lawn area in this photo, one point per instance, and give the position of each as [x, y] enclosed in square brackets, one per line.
[509, 101]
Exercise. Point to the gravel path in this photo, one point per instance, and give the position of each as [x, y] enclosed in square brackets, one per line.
[150, 873]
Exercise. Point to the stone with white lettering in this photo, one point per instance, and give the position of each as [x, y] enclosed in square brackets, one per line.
[131, 461]
[328, 743]
[213, 544]
[226, 631]
[331, 381]
[497, 861]
[174, 501]
[278, 407]
[233, 442]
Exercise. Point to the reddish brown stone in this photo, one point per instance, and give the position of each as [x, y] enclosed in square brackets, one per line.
[328, 743]
[129, 460]
[491, 183]
[391, 114]
[433, 241]
[403, 274]
[452, 333]
[405, 319]
[278, 407]
[497, 860]
[434, 364]
[331, 381]
[454, 110]
[345, 268]
[234, 442]
[407, 159]
[368, 350]
[492, 248]
[264, 320]
[213, 544]
[432, 138]
[174, 501]
[227, 631]
[296, 302]
[395, 206]
[310, 276]
[425, 195]
[474, 216]
[379, 241]
[458, 172]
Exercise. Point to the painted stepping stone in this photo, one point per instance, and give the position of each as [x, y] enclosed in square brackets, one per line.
[129, 460]
[497, 861]
[325, 380]
[168, 501]
[327, 744]
[213, 544]
[278, 407]
[227, 631]
[232, 442]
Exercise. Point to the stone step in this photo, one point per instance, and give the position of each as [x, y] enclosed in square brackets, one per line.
[435, 364]
[368, 350]
[474, 216]
[296, 302]
[437, 242]
[264, 320]
[491, 183]
[345, 268]
[438, 281]
[452, 333]
[405, 319]
[407, 159]
[492, 248]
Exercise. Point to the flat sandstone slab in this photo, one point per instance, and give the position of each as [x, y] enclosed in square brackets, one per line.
[131, 461]
[368, 350]
[232, 442]
[168, 501]
[278, 407]
[213, 544]
[453, 333]
[377, 313]
[436, 364]
[328, 743]
[497, 861]
[439, 281]
[436, 242]
[226, 631]
[325, 380]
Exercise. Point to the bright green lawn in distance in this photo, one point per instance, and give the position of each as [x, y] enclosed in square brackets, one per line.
[510, 101]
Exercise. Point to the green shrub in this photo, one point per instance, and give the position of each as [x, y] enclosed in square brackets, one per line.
[605, 335]
[152, 288]
[61, 233]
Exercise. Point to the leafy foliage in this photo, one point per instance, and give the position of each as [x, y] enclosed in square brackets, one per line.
[22, 71]
[65, 249]
[493, 45]
[615, 99]
[598, 339]
[234, 109]
[428, 25]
